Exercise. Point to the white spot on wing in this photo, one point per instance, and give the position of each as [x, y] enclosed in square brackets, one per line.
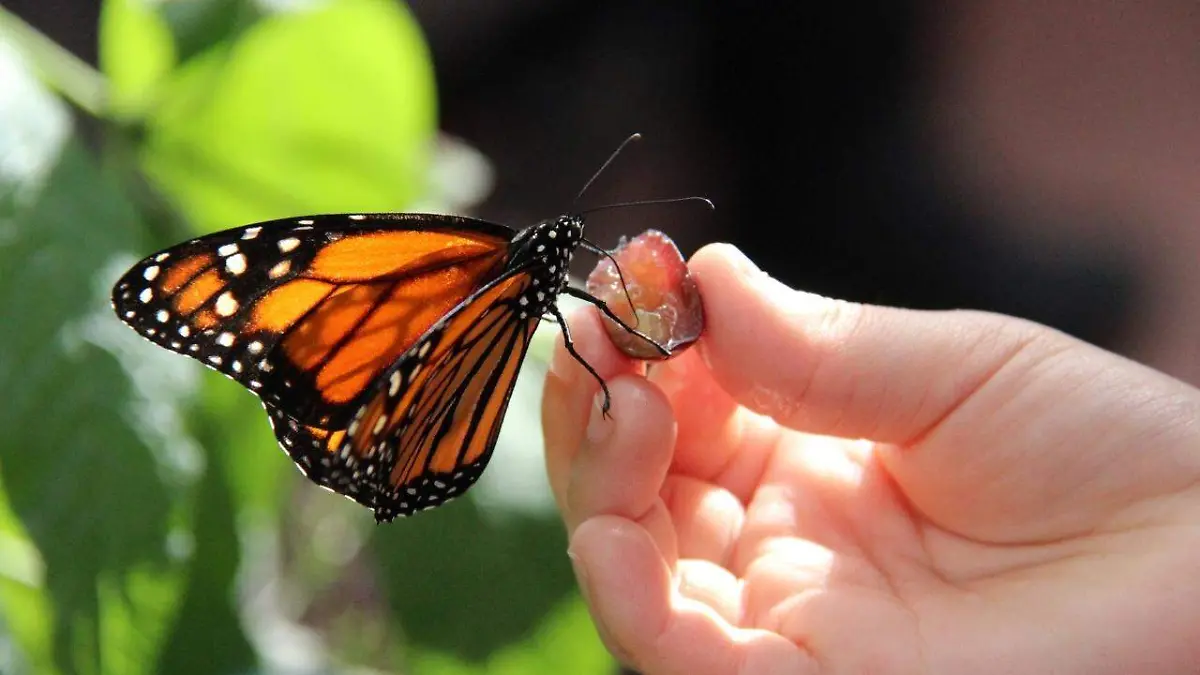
[146, 295]
[251, 232]
[150, 273]
[226, 305]
[225, 339]
[236, 264]
[227, 250]
[288, 245]
[281, 268]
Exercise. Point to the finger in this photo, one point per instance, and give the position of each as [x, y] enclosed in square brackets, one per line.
[718, 441]
[827, 492]
[712, 586]
[648, 625]
[708, 519]
[786, 567]
[622, 460]
[570, 391]
[839, 368]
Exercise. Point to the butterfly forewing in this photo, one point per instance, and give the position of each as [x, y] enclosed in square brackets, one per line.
[308, 312]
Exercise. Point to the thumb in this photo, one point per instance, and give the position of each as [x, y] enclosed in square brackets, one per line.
[994, 411]
[834, 367]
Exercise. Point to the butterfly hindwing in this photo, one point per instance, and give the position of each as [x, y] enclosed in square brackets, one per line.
[317, 453]
[427, 432]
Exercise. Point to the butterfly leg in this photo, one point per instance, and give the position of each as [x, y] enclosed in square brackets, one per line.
[603, 307]
[570, 345]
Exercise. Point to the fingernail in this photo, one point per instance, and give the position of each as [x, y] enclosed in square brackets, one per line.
[599, 427]
[580, 575]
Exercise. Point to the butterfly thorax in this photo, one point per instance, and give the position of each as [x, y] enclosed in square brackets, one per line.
[545, 250]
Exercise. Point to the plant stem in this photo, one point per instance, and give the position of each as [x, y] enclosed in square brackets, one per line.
[58, 68]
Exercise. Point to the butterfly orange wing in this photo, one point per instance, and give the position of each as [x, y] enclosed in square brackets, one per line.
[308, 312]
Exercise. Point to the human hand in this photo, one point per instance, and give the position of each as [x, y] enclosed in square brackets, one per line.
[1026, 503]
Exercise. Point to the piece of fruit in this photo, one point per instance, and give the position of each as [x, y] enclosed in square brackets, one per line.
[667, 303]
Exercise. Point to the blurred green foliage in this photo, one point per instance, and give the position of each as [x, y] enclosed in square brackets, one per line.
[148, 523]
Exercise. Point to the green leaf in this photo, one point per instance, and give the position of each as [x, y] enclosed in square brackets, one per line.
[26, 618]
[208, 637]
[97, 475]
[467, 585]
[565, 642]
[137, 52]
[330, 109]
[257, 471]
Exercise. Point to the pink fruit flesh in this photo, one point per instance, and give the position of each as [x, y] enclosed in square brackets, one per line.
[668, 304]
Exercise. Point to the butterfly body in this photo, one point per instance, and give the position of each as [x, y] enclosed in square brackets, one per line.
[384, 347]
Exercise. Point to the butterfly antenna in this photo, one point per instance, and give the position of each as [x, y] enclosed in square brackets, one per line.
[648, 202]
[627, 141]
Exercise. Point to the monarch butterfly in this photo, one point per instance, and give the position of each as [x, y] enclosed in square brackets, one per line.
[384, 346]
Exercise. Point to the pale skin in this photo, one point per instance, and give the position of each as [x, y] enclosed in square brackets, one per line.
[1025, 503]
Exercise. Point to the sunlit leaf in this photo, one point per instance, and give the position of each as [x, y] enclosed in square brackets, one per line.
[330, 109]
[136, 51]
